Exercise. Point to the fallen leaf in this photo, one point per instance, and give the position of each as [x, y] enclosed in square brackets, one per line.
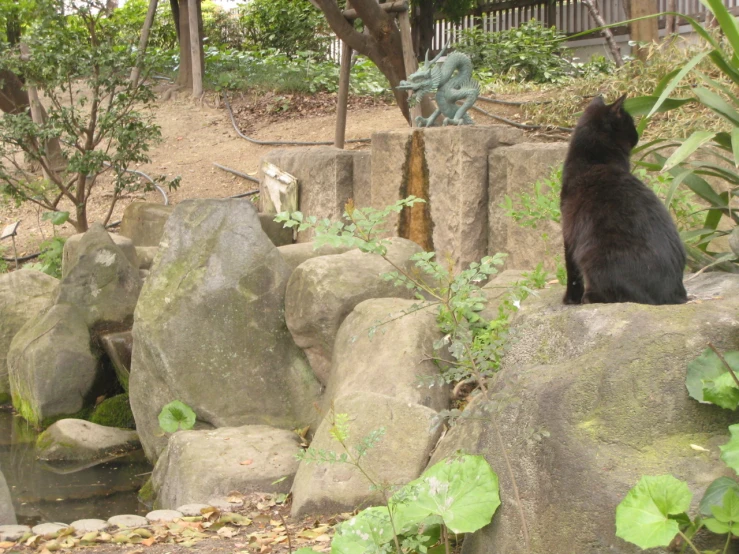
[228, 532]
[699, 448]
[246, 462]
[323, 538]
[6, 544]
[147, 542]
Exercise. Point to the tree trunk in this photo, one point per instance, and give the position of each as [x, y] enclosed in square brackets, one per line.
[13, 98]
[184, 75]
[175, 5]
[150, 14]
[644, 31]
[422, 25]
[382, 44]
[110, 5]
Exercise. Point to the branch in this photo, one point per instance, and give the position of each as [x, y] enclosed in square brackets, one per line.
[607, 34]
[373, 16]
[343, 29]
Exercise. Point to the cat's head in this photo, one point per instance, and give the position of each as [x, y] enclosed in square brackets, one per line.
[611, 121]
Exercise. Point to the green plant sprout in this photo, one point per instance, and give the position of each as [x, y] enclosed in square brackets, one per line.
[459, 494]
[52, 249]
[175, 416]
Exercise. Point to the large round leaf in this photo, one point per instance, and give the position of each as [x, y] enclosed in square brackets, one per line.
[730, 450]
[176, 415]
[642, 518]
[366, 533]
[462, 490]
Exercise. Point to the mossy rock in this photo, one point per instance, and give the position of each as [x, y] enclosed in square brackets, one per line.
[114, 412]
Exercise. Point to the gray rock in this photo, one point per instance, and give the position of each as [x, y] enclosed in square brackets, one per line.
[387, 359]
[398, 458]
[606, 382]
[163, 516]
[190, 510]
[497, 288]
[82, 526]
[514, 170]
[77, 439]
[128, 521]
[13, 532]
[222, 504]
[296, 254]
[103, 283]
[7, 512]
[449, 167]
[323, 291]
[211, 313]
[71, 254]
[197, 465]
[52, 367]
[362, 179]
[23, 295]
[325, 177]
[146, 255]
[47, 529]
[143, 222]
[118, 347]
[276, 232]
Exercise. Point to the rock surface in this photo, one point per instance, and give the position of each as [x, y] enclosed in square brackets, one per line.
[197, 465]
[143, 222]
[163, 516]
[145, 255]
[7, 512]
[323, 291]
[77, 439]
[71, 254]
[128, 521]
[399, 457]
[276, 232]
[13, 532]
[103, 283]
[514, 170]
[296, 254]
[23, 295]
[388, 359]
[52, 367]
[607, 384]
[211, 313]
[82, 526]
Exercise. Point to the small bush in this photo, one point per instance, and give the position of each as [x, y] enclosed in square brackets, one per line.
[114, 412]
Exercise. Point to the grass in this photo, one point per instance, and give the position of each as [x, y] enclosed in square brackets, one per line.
[564, 102]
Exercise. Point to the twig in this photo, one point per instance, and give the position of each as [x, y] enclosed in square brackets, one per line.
[511, 103]
[287, 532]
[606, 32]
[723, 360]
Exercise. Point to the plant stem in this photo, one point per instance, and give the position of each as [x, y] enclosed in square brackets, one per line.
[690, 543]
[726, 546]
[723, 360]
[445, 534]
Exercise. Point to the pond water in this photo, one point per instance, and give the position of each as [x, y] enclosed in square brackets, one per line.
[43, 493]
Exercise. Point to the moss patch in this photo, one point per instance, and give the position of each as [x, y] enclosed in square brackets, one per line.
[147, 493]
[114, 412]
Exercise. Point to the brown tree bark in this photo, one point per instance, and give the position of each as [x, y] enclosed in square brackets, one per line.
[381, 44]
[13, 99]
[184, 74]
[422, 25]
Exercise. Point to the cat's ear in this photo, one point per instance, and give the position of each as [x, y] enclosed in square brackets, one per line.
[618, 106]
[598, 101]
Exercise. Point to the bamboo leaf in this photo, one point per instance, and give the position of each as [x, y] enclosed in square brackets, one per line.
[690, 145]
[735, 145]
[676, 81]
[673, 186]
[717, 104]
[728, 25]
[643, 105]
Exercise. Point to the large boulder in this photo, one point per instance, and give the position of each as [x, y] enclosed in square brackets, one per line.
[7, 512]
[384, 346]
[210, 330]
[322, 291]
[296, 254]
[597, 399]
[102, 283]
[72, 253]
[143, 222]
[399, 457]
[197, 466]
[78, 440]
[23, 295]
[52, 367]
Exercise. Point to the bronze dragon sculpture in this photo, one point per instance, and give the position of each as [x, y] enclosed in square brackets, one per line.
[452, 82]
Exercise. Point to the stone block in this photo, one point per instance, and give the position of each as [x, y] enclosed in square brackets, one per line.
[513, 170]
[71, 254]
[363, 178]
[276, 232]
[448, 167]
[325, 179]
[143, 222]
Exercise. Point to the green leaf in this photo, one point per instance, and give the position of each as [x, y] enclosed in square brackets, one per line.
[708, 367]
[735, 145]
[642, 518]
[714, 495]
[689, 145]
[728, 24]
[176, 415]
[722, 390]
[643, 105]
[717, 104]
[56, 218]
[730, 450]
[365, 533]
[728, 512]
[716, 526]
[462, 490]
[675, 81]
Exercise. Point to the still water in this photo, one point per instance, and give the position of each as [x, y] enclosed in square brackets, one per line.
[42, 493]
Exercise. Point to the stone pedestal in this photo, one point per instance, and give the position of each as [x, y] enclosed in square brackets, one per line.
[447, 166]
[325, 179]
[143, 222]
[515, 170]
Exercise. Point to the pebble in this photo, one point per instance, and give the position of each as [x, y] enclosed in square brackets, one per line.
[191, 510]
[223, 505]
[83, 526]
[128, 520]
[13, 532]
[48, 528]
[159, 516]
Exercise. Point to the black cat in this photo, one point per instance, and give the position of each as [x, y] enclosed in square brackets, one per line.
[621, 244]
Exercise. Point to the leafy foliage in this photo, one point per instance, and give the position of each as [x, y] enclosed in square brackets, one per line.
[290, 26]
[730, 450]
[709, 380]
[175, 416]
[50, 258]
[644, 516]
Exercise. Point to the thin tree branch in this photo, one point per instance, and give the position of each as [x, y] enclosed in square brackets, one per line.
[343, 29]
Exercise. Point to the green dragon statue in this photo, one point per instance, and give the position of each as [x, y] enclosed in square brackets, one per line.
[452, 82]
